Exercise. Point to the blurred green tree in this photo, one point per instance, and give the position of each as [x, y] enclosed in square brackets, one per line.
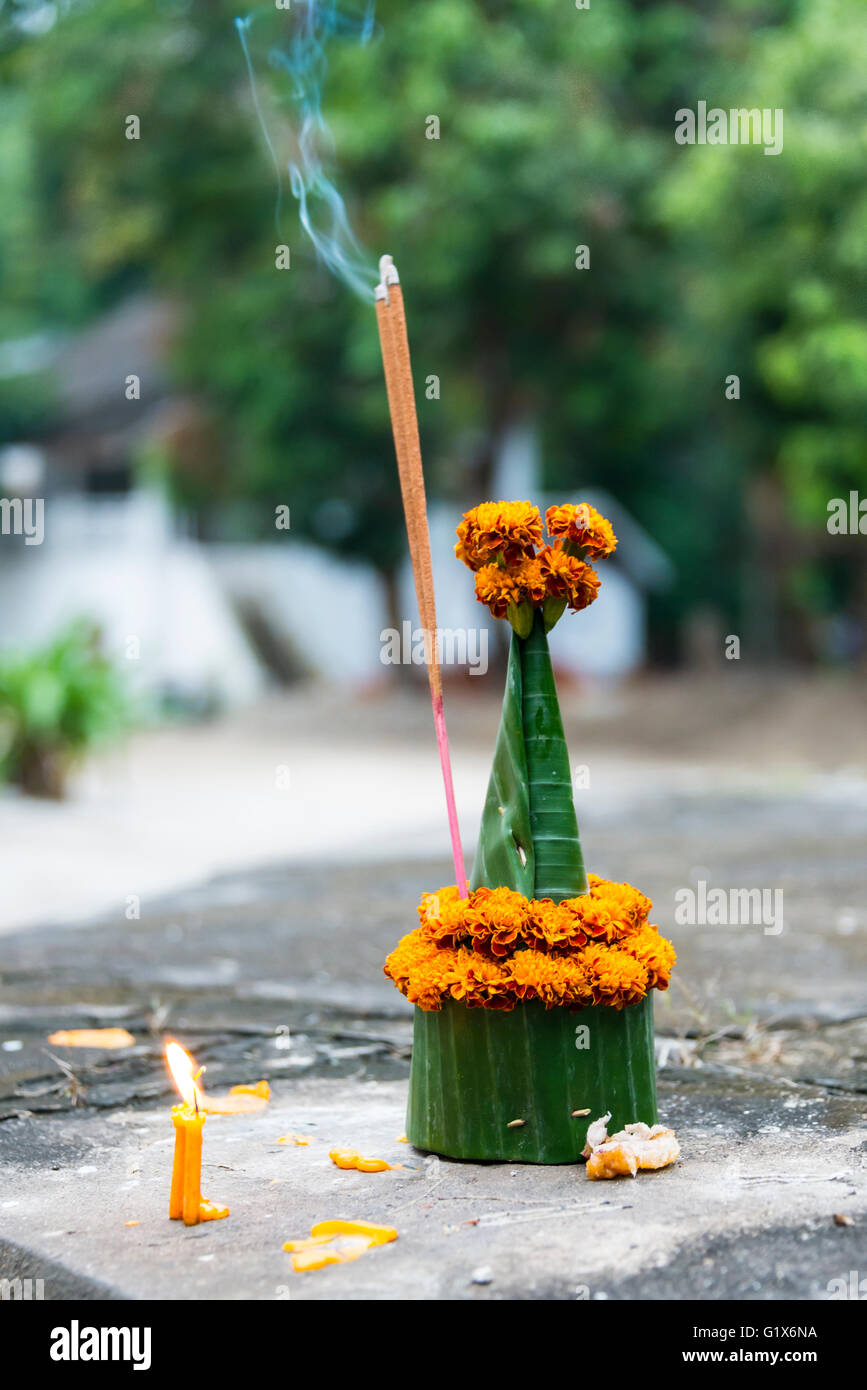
[556, 131]
[774, 289]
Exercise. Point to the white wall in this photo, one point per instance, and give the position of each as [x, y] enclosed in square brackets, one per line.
[117, 561]
[330, 611]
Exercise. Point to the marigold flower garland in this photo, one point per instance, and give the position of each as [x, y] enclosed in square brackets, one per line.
[517, 572]
[496, 947]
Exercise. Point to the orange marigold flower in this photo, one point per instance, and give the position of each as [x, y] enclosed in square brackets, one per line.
[531, 580]
[615, 977]
[654, 952]
[568, 578]
[493, 906]
[432, 905]
[496, 917]
[499, 588]
[557, 569]
[592, 919]
[584, 526]
[442, 914]
[421, 970]
[412, 950]
[480, 982]
[626, 905]
[556, 980]
[556, 924]
[425, 987]
[511, 530]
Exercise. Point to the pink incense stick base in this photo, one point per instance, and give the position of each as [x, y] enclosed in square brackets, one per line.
[451, 808]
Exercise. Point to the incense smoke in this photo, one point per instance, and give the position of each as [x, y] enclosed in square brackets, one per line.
[320, 206]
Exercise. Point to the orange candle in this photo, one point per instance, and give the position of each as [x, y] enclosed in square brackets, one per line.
[185, 1200]
[176, 1199]
[193, 1125]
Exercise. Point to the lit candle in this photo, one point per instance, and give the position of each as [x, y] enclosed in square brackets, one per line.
[185, 1201]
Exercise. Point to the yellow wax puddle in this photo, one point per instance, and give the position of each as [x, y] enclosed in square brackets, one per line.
[336, 1243]
[211, 1211]
[301, 1140]
[241, 1100]
[92, 1037]
[349, 1158]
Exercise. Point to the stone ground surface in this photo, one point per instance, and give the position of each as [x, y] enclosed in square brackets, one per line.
[748, 1213]
[763, 1049]
[313, 769]
[276, 972]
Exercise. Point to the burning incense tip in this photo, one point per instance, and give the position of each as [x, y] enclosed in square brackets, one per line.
[387, 276]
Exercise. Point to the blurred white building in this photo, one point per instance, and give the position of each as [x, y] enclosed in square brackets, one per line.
[112, 551]
[207, 624]
[286, 583]
[608, 640]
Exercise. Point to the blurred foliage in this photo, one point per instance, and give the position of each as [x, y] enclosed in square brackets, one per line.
[55, 703]
[557, 129]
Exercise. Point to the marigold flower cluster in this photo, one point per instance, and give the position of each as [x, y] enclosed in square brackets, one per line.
[517, 571]
[583, 526]
[496, 947]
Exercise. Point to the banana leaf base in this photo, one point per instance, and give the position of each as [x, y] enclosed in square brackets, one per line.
[476, 1071]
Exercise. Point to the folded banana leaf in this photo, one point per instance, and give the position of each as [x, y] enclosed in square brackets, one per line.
[477, 1072]
[529, 833]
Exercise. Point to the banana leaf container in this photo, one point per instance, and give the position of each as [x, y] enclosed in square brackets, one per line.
[501, 1085]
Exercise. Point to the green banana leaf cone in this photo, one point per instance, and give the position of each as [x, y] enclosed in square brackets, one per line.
[505, 1085]
[486, 1084]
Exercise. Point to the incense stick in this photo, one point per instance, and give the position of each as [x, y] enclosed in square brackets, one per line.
[391, 319]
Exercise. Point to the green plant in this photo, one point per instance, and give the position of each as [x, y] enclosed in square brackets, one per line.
[55, 703]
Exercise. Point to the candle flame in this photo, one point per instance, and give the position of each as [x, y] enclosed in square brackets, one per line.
[184, 1072]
